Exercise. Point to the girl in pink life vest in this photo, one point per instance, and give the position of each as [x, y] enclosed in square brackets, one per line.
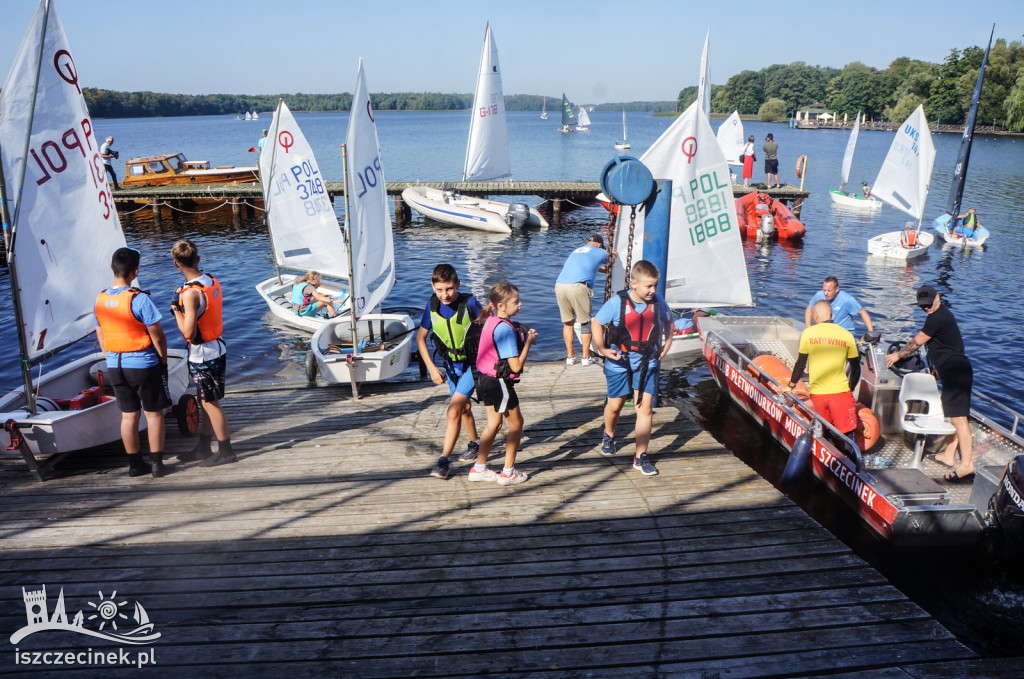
[504, 347]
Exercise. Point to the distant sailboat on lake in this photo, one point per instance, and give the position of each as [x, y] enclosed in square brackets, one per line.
[544, 109]
[568, 117]
[584, 121]
[623, 145]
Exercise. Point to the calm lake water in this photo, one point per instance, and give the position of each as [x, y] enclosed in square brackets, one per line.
[431, 146]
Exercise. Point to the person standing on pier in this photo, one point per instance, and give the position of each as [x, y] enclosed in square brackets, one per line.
[128, 328]
[638, 323]
[197, 307]
[574, 289]
[108, 155]
[844, 306]
[447, 317]
[502, 353]
[262, 142]
[946, 350]
[825, 350]
[771, 160]
[748, 160]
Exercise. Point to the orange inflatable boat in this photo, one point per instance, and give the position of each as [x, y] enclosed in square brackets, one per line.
[753, 206]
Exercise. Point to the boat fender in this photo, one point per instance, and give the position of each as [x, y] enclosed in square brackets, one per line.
[769, 365]
[868, 429]
[798, 461]
[801, 166]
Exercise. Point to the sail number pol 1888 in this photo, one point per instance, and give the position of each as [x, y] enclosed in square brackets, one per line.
[708, 208]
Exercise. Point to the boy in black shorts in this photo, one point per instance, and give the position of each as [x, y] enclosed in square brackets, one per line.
[128, 329]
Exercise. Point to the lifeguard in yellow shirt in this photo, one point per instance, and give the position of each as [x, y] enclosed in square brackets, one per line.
[826, 349]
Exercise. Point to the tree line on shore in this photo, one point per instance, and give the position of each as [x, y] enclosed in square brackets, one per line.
[945, 90]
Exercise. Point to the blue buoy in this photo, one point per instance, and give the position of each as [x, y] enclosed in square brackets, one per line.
[627, 181]
[798, 461]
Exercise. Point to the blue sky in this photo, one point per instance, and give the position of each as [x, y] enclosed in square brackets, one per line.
[596, 51]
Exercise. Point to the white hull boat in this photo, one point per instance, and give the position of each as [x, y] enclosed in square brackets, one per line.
[277, 293]
[892, 245]
[76, 412]
[386, 341]
[941, 225]
[854, 200]
[449, 207]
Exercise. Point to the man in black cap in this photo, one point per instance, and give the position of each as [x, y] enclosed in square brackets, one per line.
[946, 349]
[573, 290]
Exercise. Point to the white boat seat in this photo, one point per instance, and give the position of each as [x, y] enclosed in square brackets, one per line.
[921, 388]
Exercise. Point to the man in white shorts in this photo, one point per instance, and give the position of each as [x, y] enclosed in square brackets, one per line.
[574, 289]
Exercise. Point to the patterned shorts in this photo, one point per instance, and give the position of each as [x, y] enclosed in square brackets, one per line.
[209, 378]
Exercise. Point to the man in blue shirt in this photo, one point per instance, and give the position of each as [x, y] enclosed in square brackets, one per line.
[573, 290]
[844, 306]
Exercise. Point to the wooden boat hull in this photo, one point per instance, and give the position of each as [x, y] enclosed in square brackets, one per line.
[391, 333]
[903, 505]
[854, 200]
[469, 212]
[941, 224]
[890, 245]
[276, 293]
[749, 212]
[61, 431]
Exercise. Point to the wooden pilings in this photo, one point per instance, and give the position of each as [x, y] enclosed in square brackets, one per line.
[556, 211]
[403, 213]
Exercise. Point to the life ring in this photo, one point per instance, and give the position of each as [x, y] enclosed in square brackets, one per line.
[778, 371]
[801, 166]
[868, 429]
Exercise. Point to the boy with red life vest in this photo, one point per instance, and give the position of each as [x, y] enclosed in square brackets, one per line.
[198, 309]
[502, 352]
[448, 316]
[128, 328]
[639, 334]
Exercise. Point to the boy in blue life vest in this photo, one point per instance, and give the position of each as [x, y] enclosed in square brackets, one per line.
[128, 329]
[639, 334]
[448, 316]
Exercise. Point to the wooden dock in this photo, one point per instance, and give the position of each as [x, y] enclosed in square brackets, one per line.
[243, 196]
[328, 550]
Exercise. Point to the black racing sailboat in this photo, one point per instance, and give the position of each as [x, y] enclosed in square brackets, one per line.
[568, 117]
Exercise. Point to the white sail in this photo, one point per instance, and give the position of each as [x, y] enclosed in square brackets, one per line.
[255, 115]
[303, 227]
[373, 250]
[487, 151]
[703, 81]
[730, 138]
[248, 116]
[64, 224]
[624, 136]
[903, 180]
[851, 146]
[706, 267]
[584, 119]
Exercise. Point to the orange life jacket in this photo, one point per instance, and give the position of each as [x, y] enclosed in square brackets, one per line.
[210, 322]
[910, 237]
[122, 331]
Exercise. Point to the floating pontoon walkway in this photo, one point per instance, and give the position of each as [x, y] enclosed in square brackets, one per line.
[328, 550]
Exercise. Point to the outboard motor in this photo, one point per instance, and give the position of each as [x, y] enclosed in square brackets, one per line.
[767, 228]
[517, 215]
[1008, 502]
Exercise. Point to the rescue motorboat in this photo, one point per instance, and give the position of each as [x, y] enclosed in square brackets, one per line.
[898, 491]
[754, 208]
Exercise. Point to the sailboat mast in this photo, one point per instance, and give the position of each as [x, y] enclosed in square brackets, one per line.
[348, 248]
[274, 126]
[956, 191]
[12, 268]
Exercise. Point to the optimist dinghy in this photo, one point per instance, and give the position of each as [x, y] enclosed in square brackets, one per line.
[486, 158]
[366, 345]
[303, 228]
[840, 196]
[63, 231]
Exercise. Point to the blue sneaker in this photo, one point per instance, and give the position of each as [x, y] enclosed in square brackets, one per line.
[440, 469]
[607, 445]
[469, 455]
[644, 466]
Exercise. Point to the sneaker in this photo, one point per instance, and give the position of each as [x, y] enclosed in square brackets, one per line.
[471, 452]
[440, 469]
[644, 465]
[571, 360]
[516, 478]
[485, 475]
[607, 445]
[588, 361]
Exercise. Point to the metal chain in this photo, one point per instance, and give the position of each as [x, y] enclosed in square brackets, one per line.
[629, 253]
[609, 234]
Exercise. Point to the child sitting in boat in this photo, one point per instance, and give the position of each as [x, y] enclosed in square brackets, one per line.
[966, 224]
[865, 189]
[639, 331]
[309, 301]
